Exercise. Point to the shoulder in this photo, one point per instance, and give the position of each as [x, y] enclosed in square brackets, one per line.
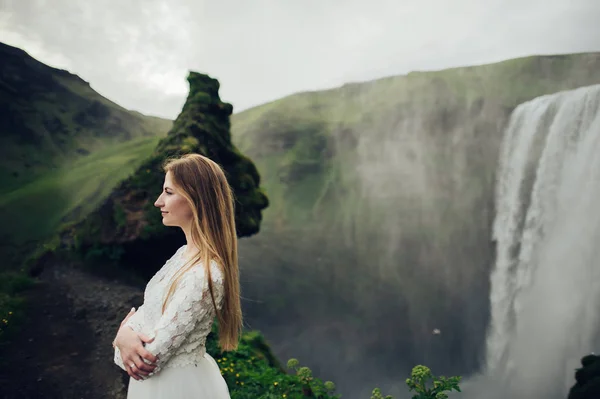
[216, 273]
[198, 273]
[176, 256]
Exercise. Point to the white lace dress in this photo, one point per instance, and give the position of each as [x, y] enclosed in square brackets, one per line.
[184, 369]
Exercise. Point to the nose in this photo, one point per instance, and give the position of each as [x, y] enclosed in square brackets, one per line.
[158, 203]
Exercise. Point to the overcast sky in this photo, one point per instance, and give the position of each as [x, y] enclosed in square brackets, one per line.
[138, 52]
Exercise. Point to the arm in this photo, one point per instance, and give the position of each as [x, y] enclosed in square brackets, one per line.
[135, 322]
[190, 303]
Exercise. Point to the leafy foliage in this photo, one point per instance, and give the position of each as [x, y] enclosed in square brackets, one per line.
[253, 372]
[12, 287]
[420, 377]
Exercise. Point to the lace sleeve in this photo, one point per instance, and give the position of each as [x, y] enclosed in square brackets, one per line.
[118, 360]
[136, 323]
[191, 303]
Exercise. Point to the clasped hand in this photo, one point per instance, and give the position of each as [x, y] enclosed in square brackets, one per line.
[133, 353]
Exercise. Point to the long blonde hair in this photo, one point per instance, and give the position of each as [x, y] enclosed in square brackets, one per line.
[204, 184]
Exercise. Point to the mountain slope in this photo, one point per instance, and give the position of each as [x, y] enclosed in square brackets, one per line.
[48, 116]
[62, 149]
[381, 210]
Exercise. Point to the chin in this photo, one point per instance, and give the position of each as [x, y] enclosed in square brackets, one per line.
[169, 223]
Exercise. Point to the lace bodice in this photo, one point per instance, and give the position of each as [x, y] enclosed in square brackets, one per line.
[180, 333]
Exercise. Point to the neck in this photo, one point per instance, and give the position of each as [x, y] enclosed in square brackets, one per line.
[191, 248]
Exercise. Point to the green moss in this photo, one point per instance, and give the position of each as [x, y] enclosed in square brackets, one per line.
[202, 127]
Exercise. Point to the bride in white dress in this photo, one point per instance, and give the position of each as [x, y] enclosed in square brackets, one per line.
[162, 344]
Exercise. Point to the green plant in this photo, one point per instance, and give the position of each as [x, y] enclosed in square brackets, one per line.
[253, 372]
[12, 287]
[419, 380]
[378, 395]
[311, 387]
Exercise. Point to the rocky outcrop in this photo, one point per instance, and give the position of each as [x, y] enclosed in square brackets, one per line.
[588, 379]
[127, 226]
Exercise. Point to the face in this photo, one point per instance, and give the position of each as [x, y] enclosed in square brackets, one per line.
[173, 206]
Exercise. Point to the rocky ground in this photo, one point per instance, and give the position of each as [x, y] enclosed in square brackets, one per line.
[64, 346]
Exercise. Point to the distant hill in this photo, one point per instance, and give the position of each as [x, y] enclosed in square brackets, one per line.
[382, 202]
[63, 147]
[49, 116]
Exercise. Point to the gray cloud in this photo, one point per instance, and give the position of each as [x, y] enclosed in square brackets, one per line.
[138, 53]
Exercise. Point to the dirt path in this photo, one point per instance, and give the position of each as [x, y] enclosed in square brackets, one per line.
[64, 348]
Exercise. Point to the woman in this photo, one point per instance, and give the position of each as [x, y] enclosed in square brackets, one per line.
[162, 344]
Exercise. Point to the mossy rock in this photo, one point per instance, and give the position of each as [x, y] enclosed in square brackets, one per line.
[127, 227]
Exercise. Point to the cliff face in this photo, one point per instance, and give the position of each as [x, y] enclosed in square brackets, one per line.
[128, 226]
[383, 203]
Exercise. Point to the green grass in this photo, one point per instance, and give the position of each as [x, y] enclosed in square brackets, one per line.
[284, 131]
[35, 211]
[13, 286]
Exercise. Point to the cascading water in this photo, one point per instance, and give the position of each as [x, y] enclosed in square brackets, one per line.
[545, 287]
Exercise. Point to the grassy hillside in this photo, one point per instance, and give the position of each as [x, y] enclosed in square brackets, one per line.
[301, 133]
[63, 147]
[381, 205]
[35, 210]
[49, 116]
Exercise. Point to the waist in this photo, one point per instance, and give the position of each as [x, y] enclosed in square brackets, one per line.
[186, 358]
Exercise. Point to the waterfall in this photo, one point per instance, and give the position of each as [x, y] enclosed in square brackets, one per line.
[545, 286]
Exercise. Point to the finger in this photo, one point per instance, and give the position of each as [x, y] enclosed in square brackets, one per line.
[132, 373]
[147, 368]
[139, 370]
[143, 366]
[145, 354]
[145, 338]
